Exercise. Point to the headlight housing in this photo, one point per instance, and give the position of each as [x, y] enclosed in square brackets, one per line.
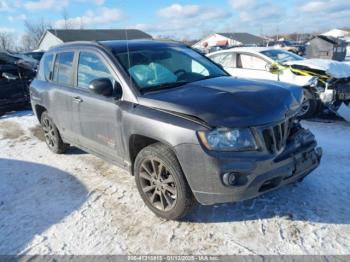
[225, 139]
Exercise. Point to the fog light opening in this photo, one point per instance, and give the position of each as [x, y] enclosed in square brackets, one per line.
[234, 179]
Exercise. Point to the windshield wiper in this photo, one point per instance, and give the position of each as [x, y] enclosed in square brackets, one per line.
[164, 86]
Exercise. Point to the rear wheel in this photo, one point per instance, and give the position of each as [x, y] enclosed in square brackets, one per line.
[52, 135]
[161, 182]
[309, 105]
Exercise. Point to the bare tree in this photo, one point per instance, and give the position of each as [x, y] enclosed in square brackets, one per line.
[65, 17]
[6, 41]
[67, 23]
[34, 30]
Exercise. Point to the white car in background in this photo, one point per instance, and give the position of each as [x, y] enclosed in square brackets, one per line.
[325, 82]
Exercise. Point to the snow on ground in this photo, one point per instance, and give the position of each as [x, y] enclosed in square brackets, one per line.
[78, 204]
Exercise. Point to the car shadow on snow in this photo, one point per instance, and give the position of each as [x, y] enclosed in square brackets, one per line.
[33, 197]
[75, 151]
[306, 201]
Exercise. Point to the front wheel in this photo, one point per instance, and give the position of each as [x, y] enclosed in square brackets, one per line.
[52, 135]
[309, 105]
[161, 182]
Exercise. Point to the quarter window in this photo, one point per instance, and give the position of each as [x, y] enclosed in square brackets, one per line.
[90, 68]
[63, 73]
[45, 68]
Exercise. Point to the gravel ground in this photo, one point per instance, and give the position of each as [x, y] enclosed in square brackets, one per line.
[78, 204]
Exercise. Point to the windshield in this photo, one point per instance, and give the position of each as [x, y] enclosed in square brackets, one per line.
[167, 67]
[281, 56]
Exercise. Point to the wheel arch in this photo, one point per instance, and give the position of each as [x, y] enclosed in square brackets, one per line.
[138, 142]
[39, 110]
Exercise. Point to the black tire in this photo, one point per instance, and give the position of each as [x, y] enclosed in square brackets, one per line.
[310, 105]
[2, 113]
[52, 135]
[173, 201]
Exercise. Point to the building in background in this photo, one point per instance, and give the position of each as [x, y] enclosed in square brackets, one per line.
[229, 39]
[342, 34]
[326, 47]
[55, 37]
[337, 33]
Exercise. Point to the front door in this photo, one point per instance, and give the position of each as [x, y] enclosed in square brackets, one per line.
[251, 66]
[99, 116]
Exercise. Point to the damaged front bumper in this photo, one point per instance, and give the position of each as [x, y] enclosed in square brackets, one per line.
[344, 111]
[229, 177]
[336, 96]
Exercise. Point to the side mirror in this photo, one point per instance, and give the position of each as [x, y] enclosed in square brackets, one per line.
[272, 68]
[118, 90]
[9, 76]
[102, 86]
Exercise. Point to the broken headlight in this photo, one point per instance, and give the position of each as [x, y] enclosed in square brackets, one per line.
[313, 82]
[225, 139]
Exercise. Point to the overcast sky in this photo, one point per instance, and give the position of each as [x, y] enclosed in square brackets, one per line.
[190, 19]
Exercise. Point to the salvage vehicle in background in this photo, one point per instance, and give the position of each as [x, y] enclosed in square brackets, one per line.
[37, 55]
[179, 123]
[325, 82]
[290, 46]
[16, 73]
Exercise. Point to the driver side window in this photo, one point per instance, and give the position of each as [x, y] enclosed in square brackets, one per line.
[246, 61]
[90, 68]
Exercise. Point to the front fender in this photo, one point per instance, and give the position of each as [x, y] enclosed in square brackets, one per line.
[161, 126]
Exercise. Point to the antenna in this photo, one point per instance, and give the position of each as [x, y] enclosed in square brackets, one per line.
[128, 53]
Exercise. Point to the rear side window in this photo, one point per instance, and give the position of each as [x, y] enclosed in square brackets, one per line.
[225, 59]
[63, 72]
[45, 68]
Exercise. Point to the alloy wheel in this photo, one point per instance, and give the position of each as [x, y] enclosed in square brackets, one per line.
[49, 132]
[158, 184]
[305, 107]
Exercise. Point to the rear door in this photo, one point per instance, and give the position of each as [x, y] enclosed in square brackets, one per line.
[63, 106]
[99, 116]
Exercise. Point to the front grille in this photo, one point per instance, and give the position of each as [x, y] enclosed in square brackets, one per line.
[275, 137]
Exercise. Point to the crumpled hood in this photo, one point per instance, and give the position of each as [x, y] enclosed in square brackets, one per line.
[229, 102]
[332, 68]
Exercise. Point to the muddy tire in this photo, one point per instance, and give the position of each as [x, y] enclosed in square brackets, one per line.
[161, 182]
[309, 106]
[52, 135]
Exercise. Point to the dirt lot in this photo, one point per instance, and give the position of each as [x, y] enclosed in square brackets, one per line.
[78, 204]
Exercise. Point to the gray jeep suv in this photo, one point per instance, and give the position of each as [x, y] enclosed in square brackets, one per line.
[185, 129]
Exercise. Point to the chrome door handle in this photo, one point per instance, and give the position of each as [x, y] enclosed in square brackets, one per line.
[77, 99]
